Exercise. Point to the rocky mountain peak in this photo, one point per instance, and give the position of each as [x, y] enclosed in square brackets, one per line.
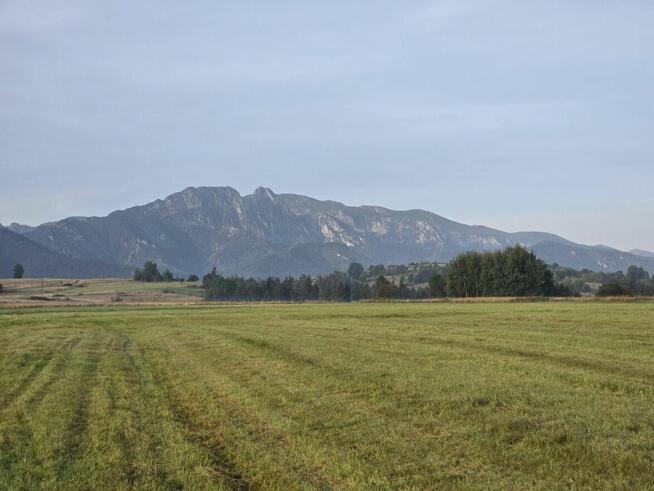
[269, 234]
[264, 193]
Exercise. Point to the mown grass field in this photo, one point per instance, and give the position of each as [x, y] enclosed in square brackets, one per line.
[502, 395]
[27, 292]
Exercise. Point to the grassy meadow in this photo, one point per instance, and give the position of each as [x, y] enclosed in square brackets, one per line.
[328, 396]
[27, 292]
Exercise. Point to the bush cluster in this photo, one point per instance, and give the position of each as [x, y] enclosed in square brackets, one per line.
[635, 283]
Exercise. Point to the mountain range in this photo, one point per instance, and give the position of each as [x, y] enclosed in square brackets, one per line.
[43, 262]
[642, 253]
[264, 234]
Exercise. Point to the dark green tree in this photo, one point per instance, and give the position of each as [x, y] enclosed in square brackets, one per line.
[515, 271]
[437, 287]
[611, 290]
[19, 271]
[335, 287]
[526, 275]
[464, 275]
[167, 276]
[383, 287]
[376, 270]
[360, 291]
[402, 290]
[150, 272]
[636, 280]
[355, 271]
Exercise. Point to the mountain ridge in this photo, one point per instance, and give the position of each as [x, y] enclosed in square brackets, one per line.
[264, 233]
[642, 253]
[40, 261]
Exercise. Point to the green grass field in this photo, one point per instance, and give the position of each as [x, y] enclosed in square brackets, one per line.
[110, 286]
[499, 395]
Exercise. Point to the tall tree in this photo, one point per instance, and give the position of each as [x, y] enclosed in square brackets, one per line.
[464, 276]
[437, 287]
[19, 271]
[636, 280]
[383, 287]
[150, 272]
[355, 271]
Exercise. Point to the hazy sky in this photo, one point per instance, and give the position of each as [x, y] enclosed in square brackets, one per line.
[513, 114]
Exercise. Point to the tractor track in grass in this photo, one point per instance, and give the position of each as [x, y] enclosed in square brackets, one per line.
[78, 425]
[570, 362]
[561, 361]
[277, 397]
[50, 366]
[132, 368]
[225, 471]
[129, 372]
[257, 425]
[23, 386]
[30, 397]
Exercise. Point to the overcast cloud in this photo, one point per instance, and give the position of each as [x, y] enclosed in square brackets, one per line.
[513, 114]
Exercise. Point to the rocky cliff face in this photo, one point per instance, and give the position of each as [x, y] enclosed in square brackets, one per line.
[268, 234]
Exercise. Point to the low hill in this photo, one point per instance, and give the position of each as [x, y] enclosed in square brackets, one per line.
[42, 262]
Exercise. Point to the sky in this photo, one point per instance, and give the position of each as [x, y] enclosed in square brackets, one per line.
[518, 115]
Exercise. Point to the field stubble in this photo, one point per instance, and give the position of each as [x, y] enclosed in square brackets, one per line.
[500, 395]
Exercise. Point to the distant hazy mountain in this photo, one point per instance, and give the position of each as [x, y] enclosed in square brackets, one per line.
[642, 253]
[267, 234]
[42, 262]
[19, 228]
[597, 258]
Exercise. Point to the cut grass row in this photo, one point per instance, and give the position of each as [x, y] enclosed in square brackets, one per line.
[329, 396]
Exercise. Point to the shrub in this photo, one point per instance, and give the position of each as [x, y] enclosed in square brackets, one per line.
[611, 290]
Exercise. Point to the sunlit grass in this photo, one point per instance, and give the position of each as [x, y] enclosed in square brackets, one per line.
[550, 395]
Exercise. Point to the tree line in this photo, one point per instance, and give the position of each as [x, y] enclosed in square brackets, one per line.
[512, 272]
[335, 287]
[515, 271]
[635, 282]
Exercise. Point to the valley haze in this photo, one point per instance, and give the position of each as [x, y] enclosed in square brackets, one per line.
[268, 234]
